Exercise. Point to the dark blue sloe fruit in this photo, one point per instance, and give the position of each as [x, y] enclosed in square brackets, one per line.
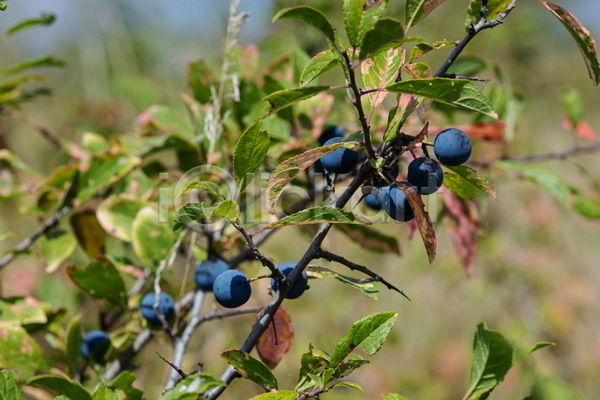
[452, 147]
[372, 202]
[339, 161]
[166, 306]
[396, 204]
[298, 287]
[232, 289]
[95, 343]
[207, 272]
[330, 133]
[426, 174]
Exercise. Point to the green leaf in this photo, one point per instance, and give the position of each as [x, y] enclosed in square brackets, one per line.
[394, 396]
[15, 161]
[387, 33]
[73, 345]
[212, 188]
[572, 105]
[310, 364]
[250, 151]
[290, 168]
[189, 387]
[318, 65]
[57, 246]
[351, 385]
[117, 213]
[552, 388]
[459, 186]
[456, 92]
[493, 356]
[318, 215]
[380, 71]
[104, 393]
[88, 231]
[151, 238]
[20, 352]
[494, 7]
[586, 207]
[250, 368]
[43, 62]
[100, 279]
[3, 6]
[45, 19]
[287, 97]
[200, 79]
[416, 10]
[124, 382]
[358, 20]
[22, 311]
[368, 286]
[103, 171]
[368, 333]
[9, 389]
[348, 366]
[418, 70]
[476, 179]
[94, 142]
[191, 212]
[369, 238]
[277, 395]
[61, 386]
[170, 122]
[309, 15]
[582, 37]
[398, 115]
[468, 66]
[424, 48]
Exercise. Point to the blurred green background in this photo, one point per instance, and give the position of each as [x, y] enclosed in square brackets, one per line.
[537, 271]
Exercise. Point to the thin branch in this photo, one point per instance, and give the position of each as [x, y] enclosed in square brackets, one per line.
[474, 30]
[277, 274]
[315, 393]
[175, 367]
[356, 267]
[31, 239]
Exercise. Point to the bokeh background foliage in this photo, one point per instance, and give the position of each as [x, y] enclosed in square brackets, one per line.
[536, 274]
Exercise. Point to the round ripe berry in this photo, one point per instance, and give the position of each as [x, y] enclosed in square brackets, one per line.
[207, 271]
[95, 342]
[372, 202]
[452, 147]
[298, 287]
[232, 289]
[166, 306]
[339, 161]
[396, 204]
[426, 174]
[330, 133]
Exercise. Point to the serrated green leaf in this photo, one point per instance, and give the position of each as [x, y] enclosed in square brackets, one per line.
[368, 333]
[310, 364]
[212, 188]
[582, 37]
[287, 97]
[318, 215]
[347, 366]
[124, 382]
[227, 209]
[20, 352]
[104, 170]
[151, 239]
[424, 48]
[117, 213]
[200, 80]
[459, 186]
[250, 151]
[73, 345]
[250, 368]
[61, 386]
[189, 387]
[387, 33]
[318, 65]
[57, 246]
[460, 93]
[100, 279]
[476, 179]
[45, 19]
[416, 10]
[277, 395]
[351, 385]
[493, 356]
[309, 15]
[358, 20]
[42, 62]
[290, 168]
[380, 71]
[9, 388]
[368, 286]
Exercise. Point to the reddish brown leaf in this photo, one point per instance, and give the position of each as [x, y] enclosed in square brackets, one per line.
[585, 131]
[423, 221]
[277, 339]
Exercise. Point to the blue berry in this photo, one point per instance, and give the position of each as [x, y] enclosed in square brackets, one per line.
[372, 202]
[339, 161]
[396, 204]
[166, 305]
[207, 271]
[232, 289]
[95, 342]
[298, 287]
[330, 133]
[452, 147]
[426, 174]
